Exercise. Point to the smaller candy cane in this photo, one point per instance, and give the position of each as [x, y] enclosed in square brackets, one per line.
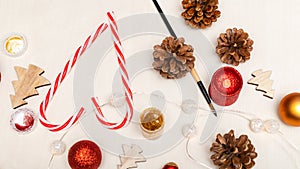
[60, 78]
[125, 80]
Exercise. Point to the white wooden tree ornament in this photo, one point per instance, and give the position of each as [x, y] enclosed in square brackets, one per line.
[132, 155]
[263, 82]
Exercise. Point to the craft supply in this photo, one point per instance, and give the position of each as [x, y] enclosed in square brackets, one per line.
[170, 165]
[15, 45]
[84, 154]
[57, 147]
[132, 155]
[225, 86]
[125, 80]
[152, 123]
[231, 152]
[234, 46]
[200, 13]
[60, 78]
[289, 109]
[263, 82]
[28, 80]
[193, 71]
[23, 120]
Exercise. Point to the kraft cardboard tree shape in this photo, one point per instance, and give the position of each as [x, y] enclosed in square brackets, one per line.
[28, 80]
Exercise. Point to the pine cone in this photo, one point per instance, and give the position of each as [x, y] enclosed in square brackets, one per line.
[234, 46]
[233, 153]
[173, 59]
[200, 13]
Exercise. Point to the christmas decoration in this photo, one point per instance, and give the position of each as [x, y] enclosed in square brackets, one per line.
[225, 86]
[200, 13]
[289, 111]
[256, 125]
[170, 165]
[231, 152]
[173, 58]
[189, 106]
[263, 82]
[23, 120]
[234, 46]
[189, 130]
[60, 78]
[29, 80]
[132, 155]
[57, 147]
[84, 154]
[125, 81]
[15, 45]
[152, 123]
[117, 99]
[270, 126]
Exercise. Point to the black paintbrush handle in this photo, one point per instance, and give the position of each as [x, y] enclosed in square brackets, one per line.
[204, 92]
[163, 16]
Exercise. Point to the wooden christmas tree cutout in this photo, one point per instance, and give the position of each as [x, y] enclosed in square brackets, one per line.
[28, 80]
[263, 82]
[132, 155]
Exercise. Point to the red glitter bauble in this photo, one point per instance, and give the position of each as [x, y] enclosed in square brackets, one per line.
[170, 165]
[84, 154]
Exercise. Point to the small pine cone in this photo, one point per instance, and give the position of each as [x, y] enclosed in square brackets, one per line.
[234, 46]
[173, 59]
[200, 13]
[233, 153]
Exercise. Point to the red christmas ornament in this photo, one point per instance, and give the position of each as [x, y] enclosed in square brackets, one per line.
[23, 120]
[170, 165]
[225, 86]
[84, 154]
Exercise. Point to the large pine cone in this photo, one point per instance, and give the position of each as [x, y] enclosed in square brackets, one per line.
[234, 46]
[173, 59]
[233, 153]
[200, 13]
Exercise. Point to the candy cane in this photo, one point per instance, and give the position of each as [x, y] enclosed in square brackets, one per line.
[125, 81]
[60, 78]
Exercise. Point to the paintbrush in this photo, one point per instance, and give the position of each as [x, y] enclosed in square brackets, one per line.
[193, 71]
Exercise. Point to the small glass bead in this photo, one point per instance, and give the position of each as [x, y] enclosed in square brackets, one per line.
[256, 125]
[189, 106]
[57, 147]
[117, 99]
[189, 131]
[271, 126]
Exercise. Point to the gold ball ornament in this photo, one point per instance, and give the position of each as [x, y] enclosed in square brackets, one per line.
[289, 109]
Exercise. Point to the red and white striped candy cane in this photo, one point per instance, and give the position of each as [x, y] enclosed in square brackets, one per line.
[125, 80]
[60, 78]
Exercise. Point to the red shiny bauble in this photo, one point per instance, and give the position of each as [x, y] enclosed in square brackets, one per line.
[170, 165]
[84, 154]
[225, 86]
